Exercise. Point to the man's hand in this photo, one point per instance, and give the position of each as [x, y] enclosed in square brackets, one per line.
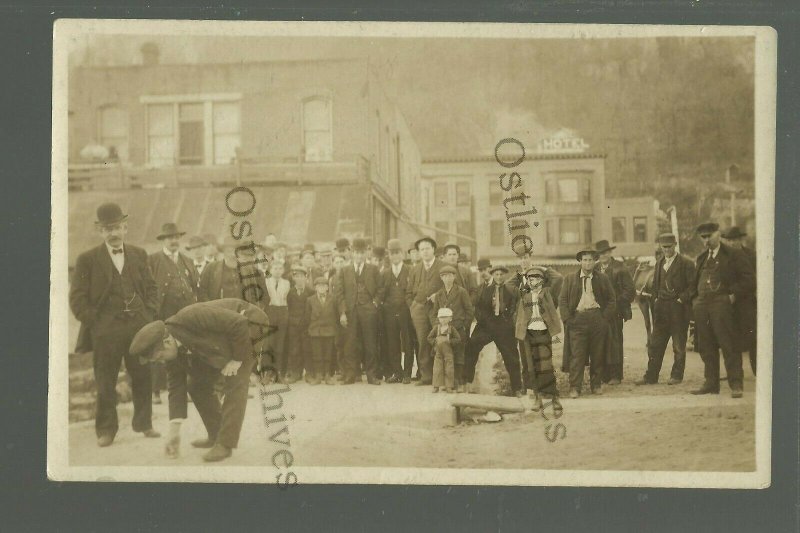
[231, 368]
[732, 298]
[432, 297]
[343, 320]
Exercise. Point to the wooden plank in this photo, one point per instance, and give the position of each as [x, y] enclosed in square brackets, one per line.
[500, 404]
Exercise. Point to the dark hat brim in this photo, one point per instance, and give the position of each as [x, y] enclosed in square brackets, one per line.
[111, 222]
[580, 254]
[502, 269]
[425, 239]
[163, 236]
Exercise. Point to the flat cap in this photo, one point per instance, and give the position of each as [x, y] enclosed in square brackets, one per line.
[444, 312]
[147, 338]
[501, 268]
[536, 270]
[320, 281]
[196, 241]
[707, 227]
[299, 268]
[734, 232]
[394, 245]
[667, 238]
[447, 269]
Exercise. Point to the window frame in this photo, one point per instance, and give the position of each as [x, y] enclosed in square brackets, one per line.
[329, 102]
[624, 229]
[127, 129]
[644, 238]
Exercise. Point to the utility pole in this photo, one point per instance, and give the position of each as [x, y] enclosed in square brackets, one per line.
[732, 190]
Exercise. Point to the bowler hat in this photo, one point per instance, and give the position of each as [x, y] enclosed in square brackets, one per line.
[734, 232]
[444, 312]
[342, 244]
[667, 238]
[447, 269]
[195, 241]
[320, 281]
[452, 245]
[425, 239]
[146, 339]
[379, 252]
[210, 238]
[168, 229]
[603, 246]
[394, 245]
[299, 268]
[359, 245]
[484, 263]
[707, 227]
[594, 253]
[309, 247]
[501, 268]
[109, 214]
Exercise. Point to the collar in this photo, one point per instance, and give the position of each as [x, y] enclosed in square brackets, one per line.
[360, 266]
[170, 254]
[427, 266]
[111, 248]
[715, 251]
[589, 275]
[397, 268]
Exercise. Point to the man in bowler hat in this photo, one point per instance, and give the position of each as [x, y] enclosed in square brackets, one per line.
[113, 294]
[671, 292]
[624, 292]
[359, 294]
[397, 317]
[724, 276]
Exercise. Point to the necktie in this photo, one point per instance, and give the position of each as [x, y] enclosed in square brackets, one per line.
[199, 267]
[585, 278]
[497, 300]
[116, 250]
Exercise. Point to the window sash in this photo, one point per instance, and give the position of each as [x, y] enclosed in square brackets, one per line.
[619, 229]
[496, 233]
[639, 229]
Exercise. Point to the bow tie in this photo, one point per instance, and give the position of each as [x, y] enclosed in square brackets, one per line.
[116, 250]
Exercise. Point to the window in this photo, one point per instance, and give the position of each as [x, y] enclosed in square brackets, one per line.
[551, 191]
[587, 230]
[113, 134]
[550, 226]
[440, 194]
[317, 137]
[191, 134]
[586, 190]
[618, 229]
[462, 194]
[192, 130]
[496, 233]
[227, 125]
[495, 193]
[443, 235]
[160, 136]
[464, 227]
[569, 231]
[568, 190]
[639, 229]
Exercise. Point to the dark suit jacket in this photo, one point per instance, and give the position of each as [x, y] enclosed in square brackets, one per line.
[218, 331]
[735, 271]
[680, 277]
[296, 305]
[346, 286]
[91, 284]
[401, 283]
[421, 284]
[484, 308]
[168, 280]
[211, 284]
[322, 319]
[458, 301]
[547, 310]
[572, 290]
[624, 289]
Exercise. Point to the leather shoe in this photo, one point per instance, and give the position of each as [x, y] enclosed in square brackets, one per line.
[736, 392]
[373, 381]
[598, 390]
[348, 381]
[104, 440]
[422, 383]
[202, 443]
[151, 433]
[640, 382]
[706, 389]
[406, 381]
[217, 453]
[573, 393]
[673, 381]
[614, 381]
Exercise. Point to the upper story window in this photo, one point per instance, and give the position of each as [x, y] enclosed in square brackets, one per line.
[441, 196]
[192, 130]
[619, 231]
[462, 194]
[568, 187]
[112, 125]
[317, 131]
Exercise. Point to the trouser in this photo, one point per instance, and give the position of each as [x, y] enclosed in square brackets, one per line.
[714, 323]
[587, 339]
[337, 361]
[537, 350]
[158, 377]
[279, 320]
[322, 350]
[746, 319]
[501, 332]
[614, 370]
[422, 326]
[362, 342]
[111, 341]
[298, 351]
[670, 320]
[458, 354]
[381, 357]
[398, 353]
[192, 374]
[443, 363]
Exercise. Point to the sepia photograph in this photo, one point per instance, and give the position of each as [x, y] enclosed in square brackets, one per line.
[412, 253]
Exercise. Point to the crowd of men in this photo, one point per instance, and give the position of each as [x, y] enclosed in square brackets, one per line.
[363, 310]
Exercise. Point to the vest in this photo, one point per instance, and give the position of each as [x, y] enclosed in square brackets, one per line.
[121, 293]
[710, 283]
[362, 295]
[665, 292]
[395, 294]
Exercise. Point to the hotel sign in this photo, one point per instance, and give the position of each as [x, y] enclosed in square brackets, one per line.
[563, 142]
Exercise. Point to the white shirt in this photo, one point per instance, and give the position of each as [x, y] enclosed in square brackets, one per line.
[713, 253]
[668, 261]
[428, 266]
[587, 300]
[118, 259]
[358, 268]
[278, 289]
[396, 269]
[173, 256]
[537, 322]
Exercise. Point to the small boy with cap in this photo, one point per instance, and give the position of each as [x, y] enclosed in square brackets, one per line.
[445, 340]
[322, 322]
[297, 345]
[457, 299]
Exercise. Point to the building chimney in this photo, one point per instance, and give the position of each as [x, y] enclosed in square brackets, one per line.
[150, 54]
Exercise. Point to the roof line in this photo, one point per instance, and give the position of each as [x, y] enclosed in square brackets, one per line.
[484, 158]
